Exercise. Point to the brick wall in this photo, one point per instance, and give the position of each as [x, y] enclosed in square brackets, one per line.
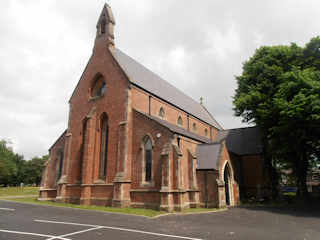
[50, 173]
[252, 173]
[207, 185]
[141, 100]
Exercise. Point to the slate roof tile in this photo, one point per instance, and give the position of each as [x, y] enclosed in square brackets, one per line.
[176, 129]
[146, 79]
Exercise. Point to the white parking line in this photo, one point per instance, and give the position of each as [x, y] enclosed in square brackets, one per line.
[74, 233]
[35, 234]
[7, 209]
[116, 228]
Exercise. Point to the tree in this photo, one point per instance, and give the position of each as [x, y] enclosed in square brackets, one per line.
[7, 165]
[279, 90]
[15, 170]
[33, 170]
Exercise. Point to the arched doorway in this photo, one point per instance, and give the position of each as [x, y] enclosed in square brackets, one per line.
[227, 182]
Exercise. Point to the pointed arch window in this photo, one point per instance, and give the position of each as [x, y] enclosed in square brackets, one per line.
[104, 146]
[99, 87]
[83, 146]
[162, 113]
[61, 155]
[180, 122]
[148, 159]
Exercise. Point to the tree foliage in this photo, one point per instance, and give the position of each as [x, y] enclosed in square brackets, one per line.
[15, 170]
[279, 90]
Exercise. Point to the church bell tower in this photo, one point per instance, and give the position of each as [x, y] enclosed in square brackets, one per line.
[105, 26]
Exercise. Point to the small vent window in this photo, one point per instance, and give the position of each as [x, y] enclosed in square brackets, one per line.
[162, 113]
[194, 127]
[180, 122]
[206, 132]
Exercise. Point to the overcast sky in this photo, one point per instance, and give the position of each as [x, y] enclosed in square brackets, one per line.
[197, 45]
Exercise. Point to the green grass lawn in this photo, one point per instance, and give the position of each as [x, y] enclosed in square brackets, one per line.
[17, 191]
[134, 211]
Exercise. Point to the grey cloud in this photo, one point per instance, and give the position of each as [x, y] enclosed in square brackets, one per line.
[199, 46]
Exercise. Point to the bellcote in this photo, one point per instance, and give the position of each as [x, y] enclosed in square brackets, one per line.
[105, 26]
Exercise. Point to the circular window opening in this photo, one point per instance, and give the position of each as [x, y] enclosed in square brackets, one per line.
[99, 87]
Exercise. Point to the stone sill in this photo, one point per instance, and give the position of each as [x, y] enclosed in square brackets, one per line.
[173, 191]
[147, 184]
[145, 190]
[73, 185]
[96, 184]
[193, 190]
[92, 99]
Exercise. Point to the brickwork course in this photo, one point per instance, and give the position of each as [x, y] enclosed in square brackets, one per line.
[134, 140]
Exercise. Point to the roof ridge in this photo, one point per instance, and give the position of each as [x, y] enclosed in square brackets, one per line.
[60, 136]
[212, 117]
[158, 75]
[240, 128]
[129, 66]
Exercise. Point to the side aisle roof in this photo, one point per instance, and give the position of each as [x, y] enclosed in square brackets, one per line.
[176, 129]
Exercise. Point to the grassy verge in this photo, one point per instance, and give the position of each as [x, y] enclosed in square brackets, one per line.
[133, 211]
[26, 195]
[18, 191]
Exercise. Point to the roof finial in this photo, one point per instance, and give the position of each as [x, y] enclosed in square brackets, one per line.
[105, 25]
[201, 100]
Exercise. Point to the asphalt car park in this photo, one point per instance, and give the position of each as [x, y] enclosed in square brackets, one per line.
[26, 221]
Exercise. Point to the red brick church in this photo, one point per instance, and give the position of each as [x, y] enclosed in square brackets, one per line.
[135, 140]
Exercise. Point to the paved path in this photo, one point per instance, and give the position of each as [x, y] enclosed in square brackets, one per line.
[25, 221]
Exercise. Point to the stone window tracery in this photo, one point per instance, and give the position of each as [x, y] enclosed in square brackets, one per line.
[99, 87]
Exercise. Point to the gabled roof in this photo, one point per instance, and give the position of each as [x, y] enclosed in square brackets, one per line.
[242, 141]
[176, 129]
[149, 81]
[61, 136]
[208, 156]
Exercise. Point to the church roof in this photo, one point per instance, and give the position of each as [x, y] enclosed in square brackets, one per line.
[151, 82]
[176, 129]
[242, 141]
[208, 156]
